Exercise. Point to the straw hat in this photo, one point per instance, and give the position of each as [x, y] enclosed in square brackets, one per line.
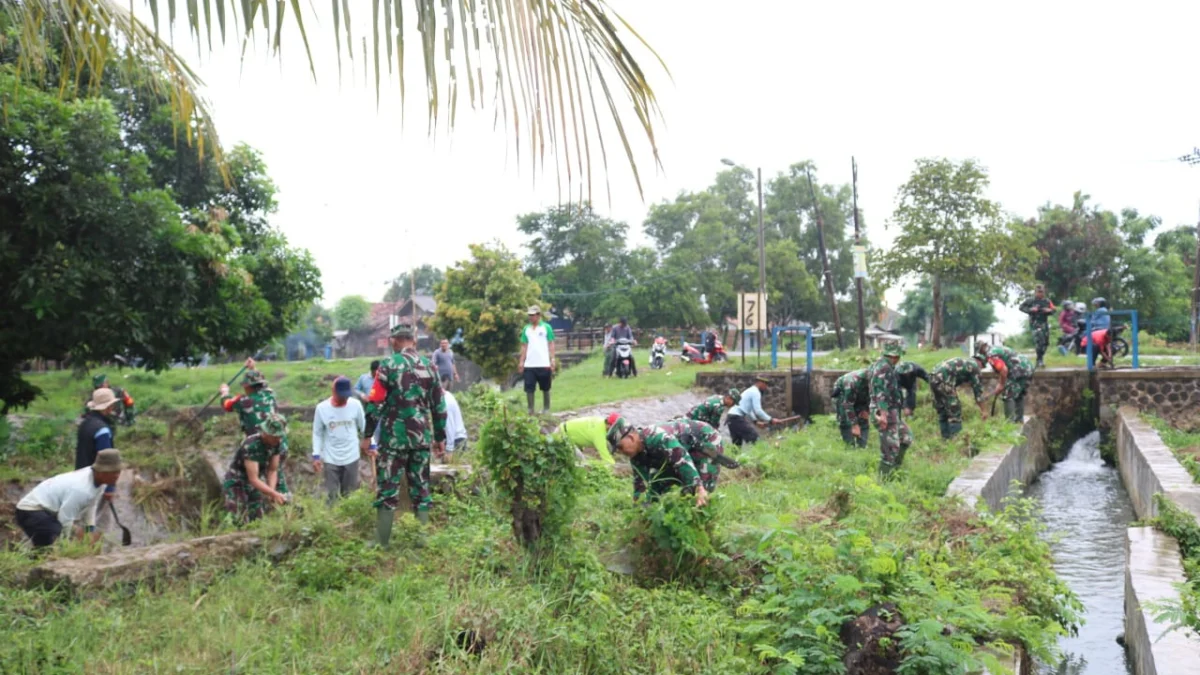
[102, 399]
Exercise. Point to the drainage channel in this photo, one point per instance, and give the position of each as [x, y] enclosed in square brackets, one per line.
[1086, 511]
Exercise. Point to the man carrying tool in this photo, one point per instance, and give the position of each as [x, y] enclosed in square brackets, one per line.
[1039, 308]
[337, 439]
[747, 412]
[886, 399]
[907, 374]
[945, 380]
[254, 483]
[852, 400]
[587, 432]
[1015, 373]
[658, 459]
[408, 393]
[125, 411]
[710, 409]
[703, 443]
[254, 404]
[57, 503]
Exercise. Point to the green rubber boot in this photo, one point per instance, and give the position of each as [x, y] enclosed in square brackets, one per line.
[384, 519]
[1010, 409]
[423, 516]
[954, 428]
[945, 427]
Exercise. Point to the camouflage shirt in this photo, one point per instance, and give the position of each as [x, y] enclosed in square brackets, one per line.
[1006, 354]
[1031, 307]
[252, 408]
[709, 411]
[662, 457]
[696, 436]
[907, 374]
[253, 449]
[885, 388]
[959, 371]
[851, 392]
[408, 393]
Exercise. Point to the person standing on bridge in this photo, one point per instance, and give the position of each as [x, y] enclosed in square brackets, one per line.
[254, 404]
[852, 400]
[1015, 373]
[710, 409]
[747, 412]
[886, 400]
[1039, 308]
[945, 380]
[658, 459]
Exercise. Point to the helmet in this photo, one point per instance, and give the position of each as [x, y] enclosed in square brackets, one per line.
[1099, 302]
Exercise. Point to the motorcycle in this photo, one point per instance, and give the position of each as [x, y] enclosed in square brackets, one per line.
[658, 353]
[623, 356]
[696, 354]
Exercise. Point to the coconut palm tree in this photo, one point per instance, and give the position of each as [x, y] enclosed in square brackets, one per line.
[560, 74]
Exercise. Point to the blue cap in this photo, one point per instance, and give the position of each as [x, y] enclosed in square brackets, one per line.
[341, 387]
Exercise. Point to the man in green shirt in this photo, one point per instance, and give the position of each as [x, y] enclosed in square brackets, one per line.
[587, 432]
[537, 358]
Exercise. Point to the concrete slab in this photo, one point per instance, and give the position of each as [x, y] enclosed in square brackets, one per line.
[989, 477]
[1148, 467]
[1152, 570]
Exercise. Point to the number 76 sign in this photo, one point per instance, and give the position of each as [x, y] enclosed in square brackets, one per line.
[752, 311]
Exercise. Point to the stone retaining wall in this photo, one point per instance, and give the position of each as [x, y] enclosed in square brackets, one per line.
[1148, 467]
[777, 399]
[1171, 393]
[1152, 569]
[989, 477]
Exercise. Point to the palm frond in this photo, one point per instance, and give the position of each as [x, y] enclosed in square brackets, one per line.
[552, 61]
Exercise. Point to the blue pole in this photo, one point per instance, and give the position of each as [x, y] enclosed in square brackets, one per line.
[808, 347]
[1087, 334]
[774, 348]
[1135, 340]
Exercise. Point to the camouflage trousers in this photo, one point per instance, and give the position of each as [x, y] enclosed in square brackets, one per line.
[893, 442]
[863, 436]
[1041, 338]
[1014, 393]
[243, 501]
[709, 471]
[392, 465]
[945, 400]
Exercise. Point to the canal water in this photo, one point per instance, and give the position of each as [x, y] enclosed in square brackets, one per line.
[1086, 511]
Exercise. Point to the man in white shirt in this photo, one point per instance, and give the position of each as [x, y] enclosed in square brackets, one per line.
[537, 358]
[338, 426]
[59, 502]
[748, 410]
[456, 430]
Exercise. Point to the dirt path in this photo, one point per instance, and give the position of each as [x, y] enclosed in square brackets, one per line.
[650, 410]
[146, 529]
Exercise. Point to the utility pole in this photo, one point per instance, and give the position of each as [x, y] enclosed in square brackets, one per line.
[837, 322]
[762, 264]
[858, 285]
[1192, 159]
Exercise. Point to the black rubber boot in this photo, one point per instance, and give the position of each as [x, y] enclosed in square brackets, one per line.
[384, 518]
[546, 402]
[945, 427]
[529, 400]
[1010, 410]
[954, 428]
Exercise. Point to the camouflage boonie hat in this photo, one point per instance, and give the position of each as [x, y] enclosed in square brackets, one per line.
[274, 425]
[402, 331]
[893, 349]
[734, 394]
[98, 380]
[617, 430]
[253, 378]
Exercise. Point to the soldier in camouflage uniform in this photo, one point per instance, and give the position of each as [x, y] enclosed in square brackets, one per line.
[710, 409]
[1039, 308]
[907, 374]
[1015, 373]
[886, 399]
[945, 380]
[254, 483]
[125, 410]
[703, 443]
[408, 393]
[851, 400]
[254, 405]
[658, 459]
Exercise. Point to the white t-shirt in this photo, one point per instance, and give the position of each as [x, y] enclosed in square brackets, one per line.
[336, 431]
[70, 496]
[537, 338]
[456, 431]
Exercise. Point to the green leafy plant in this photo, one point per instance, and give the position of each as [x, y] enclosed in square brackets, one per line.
[676, 538]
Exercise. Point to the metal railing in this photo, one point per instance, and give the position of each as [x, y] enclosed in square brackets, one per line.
[1133, 346]
[808, 344]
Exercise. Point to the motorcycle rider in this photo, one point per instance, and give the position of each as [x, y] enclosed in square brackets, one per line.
[710, 344]
[1100, 316]
[660, 347]
[621, 331]
[1066, 323]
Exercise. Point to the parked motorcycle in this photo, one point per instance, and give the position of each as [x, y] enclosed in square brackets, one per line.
[695, 354]
[623, 357]
[658, 353]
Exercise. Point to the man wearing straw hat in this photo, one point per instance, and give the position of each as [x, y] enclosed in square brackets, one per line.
[57, 503]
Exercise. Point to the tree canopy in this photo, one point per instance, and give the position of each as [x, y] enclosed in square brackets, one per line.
[98, 259]
[426, 278]
[352, 312]
[965, 312]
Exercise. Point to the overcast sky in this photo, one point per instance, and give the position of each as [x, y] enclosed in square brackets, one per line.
[1051, 97]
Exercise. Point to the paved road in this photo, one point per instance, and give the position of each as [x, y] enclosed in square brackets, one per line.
[645, 410]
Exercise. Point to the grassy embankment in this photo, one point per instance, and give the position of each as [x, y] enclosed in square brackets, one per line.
[801, 539]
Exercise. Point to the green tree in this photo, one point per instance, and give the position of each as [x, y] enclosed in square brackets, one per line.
[97, 260]
[656, 296]
[426, 278]
[950, 232]
[965, 312]
[575, 253]
[90, 36]
[486, 296]
[352, 313]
